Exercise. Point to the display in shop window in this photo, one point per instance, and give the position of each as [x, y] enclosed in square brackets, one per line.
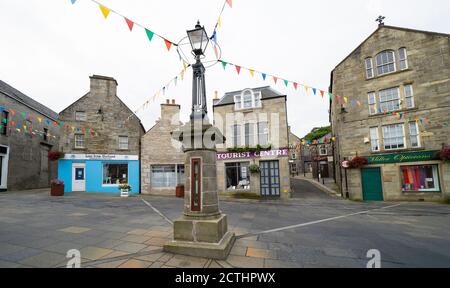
[423, 178]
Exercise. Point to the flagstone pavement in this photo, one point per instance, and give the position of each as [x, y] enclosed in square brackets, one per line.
[37, 230]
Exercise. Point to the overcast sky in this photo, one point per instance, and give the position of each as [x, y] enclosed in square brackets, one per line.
[49, 48]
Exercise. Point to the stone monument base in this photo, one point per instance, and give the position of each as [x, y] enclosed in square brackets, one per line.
[201, 238]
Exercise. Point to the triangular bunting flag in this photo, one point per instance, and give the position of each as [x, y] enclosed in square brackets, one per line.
[216, 52]
[295, 85]
[129, 23]
[150, 34]
[358, 103]
[168, 44]
[322, 92]
[73, 1]
[252, 72]
[345, 99]
[331, 96]
[105, 11]
[219, 22]
[176, 80]
[224, 64]
[275, 79]
[286, 82]
[314, 91]
[238, 69]
[230, 2]
[182, 75]
[306, 88]
[264, 76]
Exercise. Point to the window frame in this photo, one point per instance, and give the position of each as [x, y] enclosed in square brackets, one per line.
[369, 69]
[256, 99]
[236, 135]
[411, 97]
[405, 60]
[111, 163]
[265, 134]
[374, 104]
[84, 119]
[380, 102]
[251, 137]
[76, 141]
[417, 135]
[405, 146]
[238, 166]
[435, 177]
[127, 143]
[175, 170]
[378, 65]
[377, 139]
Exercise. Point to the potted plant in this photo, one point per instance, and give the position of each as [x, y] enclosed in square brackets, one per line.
[254, 169]
[444, 154]
[358, 162]
[57, 187]
[125, 190]
[55, 155]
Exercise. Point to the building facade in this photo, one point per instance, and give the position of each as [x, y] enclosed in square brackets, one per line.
[400, 81]
[162, 157]
[255, 158]
[101, 141]
[28, 131]
[295, 162]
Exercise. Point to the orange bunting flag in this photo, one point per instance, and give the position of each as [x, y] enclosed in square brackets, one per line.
[322, 93]
[230, 2]
[238, 69]
[129, 23]
[105, 11]
[275, 79]
[358, 103]
[168, 44]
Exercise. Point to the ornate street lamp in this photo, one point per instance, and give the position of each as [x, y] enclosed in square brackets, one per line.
[199, 42]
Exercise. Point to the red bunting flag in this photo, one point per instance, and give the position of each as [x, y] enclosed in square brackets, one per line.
[230, 2]
[129, 23]
[238, 69]
[275, 79]
[322, 93]
[295, 85]
[168, 44]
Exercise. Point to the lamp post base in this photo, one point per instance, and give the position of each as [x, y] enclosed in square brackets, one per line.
[201, 238]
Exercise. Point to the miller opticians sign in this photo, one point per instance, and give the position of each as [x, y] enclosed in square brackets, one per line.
[284, 152]
[402, 157]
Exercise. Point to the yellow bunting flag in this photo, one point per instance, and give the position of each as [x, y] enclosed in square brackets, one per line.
[39, 120]
[105, 11]
[252, 72]
[219, 22]
[306, 88]
[345, 99]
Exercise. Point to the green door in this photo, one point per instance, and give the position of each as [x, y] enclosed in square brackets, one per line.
[371, 184]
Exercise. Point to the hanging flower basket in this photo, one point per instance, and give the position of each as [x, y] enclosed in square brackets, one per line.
[254, 169]
[358, 162]
[444, 154]
[55, 155]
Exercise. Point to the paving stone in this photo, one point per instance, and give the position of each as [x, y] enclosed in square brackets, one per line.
[6, 264]
[94, 253]
[113, 264]
[62, 247]
[157, 241]
[115, 254]
[270, 263]
[181, 261]
[157, 265]
[108, 244]
[137, 232]
[44, 260]
[151, 257]
[136, 238]
[130, 247]
[245, 262]
[134, 263]
[6, 248]
[238, 251]
[21, 254]
[75, 230]
[260, 253]
[251, 243]
[158, 234]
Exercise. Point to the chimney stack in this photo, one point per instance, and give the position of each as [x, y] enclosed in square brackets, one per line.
[103, 86]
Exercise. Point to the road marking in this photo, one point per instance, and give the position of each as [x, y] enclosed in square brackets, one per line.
[157, 211]
[314, 222]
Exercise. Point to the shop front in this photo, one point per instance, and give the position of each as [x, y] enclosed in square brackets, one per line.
[4, 156]
[411, 176]
[257, 173]
[99, 173]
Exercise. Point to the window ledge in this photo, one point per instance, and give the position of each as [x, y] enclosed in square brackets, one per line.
[389, 74]
[398, 151]
[247, 110]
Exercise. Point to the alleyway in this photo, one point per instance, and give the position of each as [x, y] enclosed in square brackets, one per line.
[302, 189]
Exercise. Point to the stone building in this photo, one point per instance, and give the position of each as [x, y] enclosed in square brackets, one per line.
[28, 131]
[316, 157]
[162, 157]
[395, 113]
[101, 141]
[254, 122]
[295, 162]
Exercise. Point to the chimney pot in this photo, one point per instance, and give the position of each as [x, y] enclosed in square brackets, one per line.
[173, 101]
[167, 101]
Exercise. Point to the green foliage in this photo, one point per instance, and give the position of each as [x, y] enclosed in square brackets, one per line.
[254, 169]
[317, 133]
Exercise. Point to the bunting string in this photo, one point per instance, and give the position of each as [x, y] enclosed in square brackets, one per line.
[131, 24]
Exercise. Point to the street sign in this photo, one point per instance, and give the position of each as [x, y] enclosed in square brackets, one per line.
[345, 164]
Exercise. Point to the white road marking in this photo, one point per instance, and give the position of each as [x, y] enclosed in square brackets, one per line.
[315, 222]
[157, 211]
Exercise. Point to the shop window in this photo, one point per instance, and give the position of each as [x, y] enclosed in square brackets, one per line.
[238, 176]
[393, 137]
[424, 178]
[115, 174]
[123, 142]
[167, 176]
[4, 123]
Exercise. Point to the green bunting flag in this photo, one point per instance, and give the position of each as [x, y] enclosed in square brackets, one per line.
[150, 34]
[224, 64]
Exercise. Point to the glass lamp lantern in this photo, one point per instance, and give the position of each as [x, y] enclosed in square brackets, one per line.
[199, 40]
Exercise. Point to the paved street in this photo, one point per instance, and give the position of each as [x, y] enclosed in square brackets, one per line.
[37, 231]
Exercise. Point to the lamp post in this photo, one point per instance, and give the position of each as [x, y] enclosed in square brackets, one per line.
[202, 230]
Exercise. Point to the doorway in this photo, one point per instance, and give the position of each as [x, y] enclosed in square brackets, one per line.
[371, 184]
[270, 178]
[79, 177]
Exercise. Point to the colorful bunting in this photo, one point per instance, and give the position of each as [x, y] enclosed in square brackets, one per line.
[286, 83]
[295, 85]
[230, 3]
[168, 44]
[73, 1]
[275, 79]
[238, 69]
[322, 93]
[252, 72]
[129, 23]
[150, 34]
[105, 10]
[264, 75]
[224, 64]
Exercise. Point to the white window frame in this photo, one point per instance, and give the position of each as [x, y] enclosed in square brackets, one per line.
[81, 119]
[386, 64]
[405, 146]
[411, 97]
[321, 151]
[252, 137]
[77, 141]
[398, 99]
[414, 135]
[405, 60]
[369, 69]
[236, 141]
[122, 143]
[103, 173]
[374, 104]
[239, 103]
[373, 139]
[265, 133]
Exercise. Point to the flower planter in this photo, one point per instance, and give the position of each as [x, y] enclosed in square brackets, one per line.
[57, 190]
[125, 193]
[179, 191]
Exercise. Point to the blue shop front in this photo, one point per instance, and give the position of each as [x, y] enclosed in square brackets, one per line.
[99, 173]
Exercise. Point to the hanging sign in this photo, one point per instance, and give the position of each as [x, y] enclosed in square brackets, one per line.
[278, 153]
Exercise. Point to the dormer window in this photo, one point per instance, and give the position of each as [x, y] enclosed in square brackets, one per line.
[385, 62]
[248, 100]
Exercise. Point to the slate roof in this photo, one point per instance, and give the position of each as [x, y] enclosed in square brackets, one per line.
[15, 94]
[266, 93]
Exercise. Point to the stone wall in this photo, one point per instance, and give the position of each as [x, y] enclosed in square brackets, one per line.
[28, 166]
[429, 74]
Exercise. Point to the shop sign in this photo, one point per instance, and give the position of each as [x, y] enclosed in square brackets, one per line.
[402, 157]
[101, 157]
[278, 153]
